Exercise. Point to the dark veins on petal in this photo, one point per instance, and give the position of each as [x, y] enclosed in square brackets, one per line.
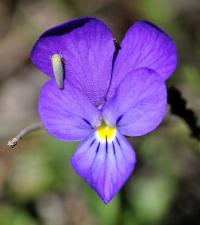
[87, 122]
[97, 148]
[118, 142]
[113, 145]
[106, 145]
[92, 143]
[119, 118]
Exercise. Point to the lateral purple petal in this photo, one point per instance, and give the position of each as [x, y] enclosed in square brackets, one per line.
[104, 166]
[145, 45]
[67, 114]
[86, 48]
[139, 104]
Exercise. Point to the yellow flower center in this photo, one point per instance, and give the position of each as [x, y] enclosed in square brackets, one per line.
[105, 132]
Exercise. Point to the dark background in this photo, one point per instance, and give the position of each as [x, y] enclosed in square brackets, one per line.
[37, 185]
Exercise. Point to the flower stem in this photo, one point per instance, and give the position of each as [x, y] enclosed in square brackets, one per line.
[33, 127]
[179, 108]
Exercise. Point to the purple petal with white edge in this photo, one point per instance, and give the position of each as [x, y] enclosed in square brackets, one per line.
[86, 48]
[144, 45]
[105, 166]
[67, 114]
[139, 104]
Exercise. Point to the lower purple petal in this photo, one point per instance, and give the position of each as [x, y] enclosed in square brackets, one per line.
[105, 166]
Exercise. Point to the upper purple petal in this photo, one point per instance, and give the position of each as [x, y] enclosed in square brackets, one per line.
[104, 166]
[139, 104]
[67, 114]
[86, 47]
[144, 45]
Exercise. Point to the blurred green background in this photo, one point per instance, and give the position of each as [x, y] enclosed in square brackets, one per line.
[37, 184]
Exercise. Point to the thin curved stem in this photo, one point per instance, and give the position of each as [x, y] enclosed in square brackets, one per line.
[33, 127]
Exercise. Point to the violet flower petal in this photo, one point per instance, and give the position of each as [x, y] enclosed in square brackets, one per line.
[86, 48]
[144, 45]
[67, 114]
[139, 104]
[104, 166]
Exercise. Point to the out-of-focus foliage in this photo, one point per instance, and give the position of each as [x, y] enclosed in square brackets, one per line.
[9, 216]
[37, 183]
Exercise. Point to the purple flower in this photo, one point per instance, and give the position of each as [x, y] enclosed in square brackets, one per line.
[106, 95]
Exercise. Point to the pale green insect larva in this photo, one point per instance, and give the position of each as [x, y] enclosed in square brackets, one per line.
[58, 71]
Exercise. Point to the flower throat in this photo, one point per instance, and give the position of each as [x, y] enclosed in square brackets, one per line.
[105, 133]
